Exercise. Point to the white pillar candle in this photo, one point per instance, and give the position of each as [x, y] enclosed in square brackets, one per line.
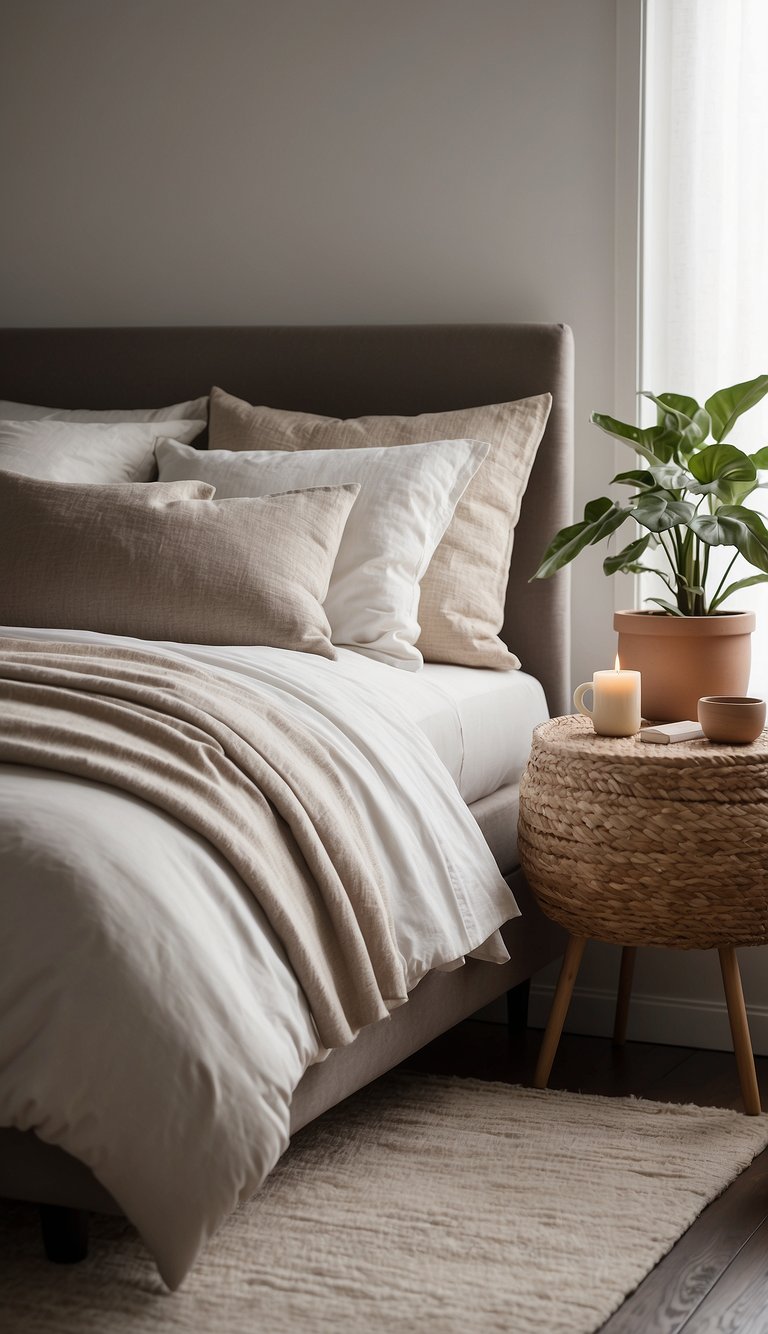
[616, 701]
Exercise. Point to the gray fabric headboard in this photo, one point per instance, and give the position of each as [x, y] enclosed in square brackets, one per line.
[345, 371]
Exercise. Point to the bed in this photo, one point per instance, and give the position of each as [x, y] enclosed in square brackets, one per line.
[346, 372]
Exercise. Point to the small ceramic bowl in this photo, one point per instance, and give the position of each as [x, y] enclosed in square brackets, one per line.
[738, 719]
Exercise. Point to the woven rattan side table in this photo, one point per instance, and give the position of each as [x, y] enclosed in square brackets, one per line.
[641, 844]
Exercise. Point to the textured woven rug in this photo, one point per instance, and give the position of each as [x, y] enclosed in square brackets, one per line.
[425, 1204]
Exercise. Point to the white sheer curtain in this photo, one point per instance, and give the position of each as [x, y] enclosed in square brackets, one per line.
[704, 262]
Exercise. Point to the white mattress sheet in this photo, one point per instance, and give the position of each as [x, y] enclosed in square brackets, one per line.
[479, 722]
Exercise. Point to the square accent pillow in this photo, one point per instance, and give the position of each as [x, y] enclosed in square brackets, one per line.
[169, 562]
[462, 592]
[196, 409]
[65, 451]
[407, 497]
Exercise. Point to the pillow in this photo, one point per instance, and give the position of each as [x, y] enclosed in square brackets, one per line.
[72, 452]
[168, 562]
[462, 593]
[195, 409]
[407, 497]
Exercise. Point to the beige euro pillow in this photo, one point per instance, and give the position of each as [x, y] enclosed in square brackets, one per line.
[461, 609]
[166, 561]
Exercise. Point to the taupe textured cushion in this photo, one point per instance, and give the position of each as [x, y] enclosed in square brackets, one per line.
[165, 561]
[462, 593]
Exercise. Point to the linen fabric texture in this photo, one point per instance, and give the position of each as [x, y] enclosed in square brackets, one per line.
[461, 609]
[69, 451]
[242, 773]
[155, 945]
[167, 561]
[407, 497]
[193, 409]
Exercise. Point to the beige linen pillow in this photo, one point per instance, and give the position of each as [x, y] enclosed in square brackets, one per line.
[407, 497]
[166, 561]
[462, 593]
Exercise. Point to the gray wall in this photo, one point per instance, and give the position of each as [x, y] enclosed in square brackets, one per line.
[259, 161]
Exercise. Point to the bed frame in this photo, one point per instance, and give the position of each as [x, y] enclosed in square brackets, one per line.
[340, 371]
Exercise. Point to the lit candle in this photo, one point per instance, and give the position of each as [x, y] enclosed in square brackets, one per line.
[616, 701]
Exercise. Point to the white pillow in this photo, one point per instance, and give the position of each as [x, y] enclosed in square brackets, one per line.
[57, 451]
[407, 497]
[195, 410]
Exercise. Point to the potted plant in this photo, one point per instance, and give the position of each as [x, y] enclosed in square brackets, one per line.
[687, 499]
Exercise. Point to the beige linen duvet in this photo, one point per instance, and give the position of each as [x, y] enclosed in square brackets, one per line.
[216, 864]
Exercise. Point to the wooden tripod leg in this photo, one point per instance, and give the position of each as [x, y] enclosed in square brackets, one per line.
[560, 1002]
[628, 954]
[742, 1043]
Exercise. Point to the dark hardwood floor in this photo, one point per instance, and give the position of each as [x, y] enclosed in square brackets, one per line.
[715, 1280]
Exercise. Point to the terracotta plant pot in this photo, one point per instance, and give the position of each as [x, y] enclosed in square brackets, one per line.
[681, 658]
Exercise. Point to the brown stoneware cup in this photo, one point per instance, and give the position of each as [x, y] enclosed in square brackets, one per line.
[737, 719]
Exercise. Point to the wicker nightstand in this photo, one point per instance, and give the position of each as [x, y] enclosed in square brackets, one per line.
[642, 844]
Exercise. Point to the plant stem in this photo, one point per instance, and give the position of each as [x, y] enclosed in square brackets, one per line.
[713, 599]
[671, 560]
[686, 572]
[704, 577]
[698, 599]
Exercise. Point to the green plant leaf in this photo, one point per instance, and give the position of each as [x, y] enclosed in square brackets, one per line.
[626, 560]
[684, 407]
[635, 477]
[658, 512]
[597, 509]
[601, 518]
[739, 492]
[682, 415]
[736, 588]
[760, 459]
[656, 444]
[723, 471]
[670, 477]
[666, 606]
[695, 433]
[735, 526]
[727, 405]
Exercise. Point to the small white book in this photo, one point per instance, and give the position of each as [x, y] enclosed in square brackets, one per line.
[663, 734]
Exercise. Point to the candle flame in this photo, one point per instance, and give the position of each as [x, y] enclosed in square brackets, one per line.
[617, 664]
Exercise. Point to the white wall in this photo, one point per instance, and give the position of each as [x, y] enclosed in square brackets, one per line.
[257, 161]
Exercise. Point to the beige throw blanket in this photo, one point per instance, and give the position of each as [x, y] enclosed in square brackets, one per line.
[232, 765]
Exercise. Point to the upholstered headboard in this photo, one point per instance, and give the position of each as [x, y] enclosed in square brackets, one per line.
[346, 371]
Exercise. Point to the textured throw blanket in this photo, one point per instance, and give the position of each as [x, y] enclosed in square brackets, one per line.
[232, 766]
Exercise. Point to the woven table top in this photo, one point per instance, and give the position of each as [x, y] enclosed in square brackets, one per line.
[687, 770]
[575, 735]
[636, 843]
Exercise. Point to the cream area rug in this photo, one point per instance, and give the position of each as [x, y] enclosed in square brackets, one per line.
[427, 1204]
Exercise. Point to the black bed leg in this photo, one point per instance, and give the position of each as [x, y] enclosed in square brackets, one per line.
[517, 1007]
[65, 1233]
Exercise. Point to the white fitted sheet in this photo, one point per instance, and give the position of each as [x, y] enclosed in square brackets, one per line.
[479, 722]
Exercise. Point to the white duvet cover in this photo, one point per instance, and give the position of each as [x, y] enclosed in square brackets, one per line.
[149, 1022]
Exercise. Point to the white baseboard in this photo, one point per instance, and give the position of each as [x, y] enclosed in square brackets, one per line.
[667, 1019]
